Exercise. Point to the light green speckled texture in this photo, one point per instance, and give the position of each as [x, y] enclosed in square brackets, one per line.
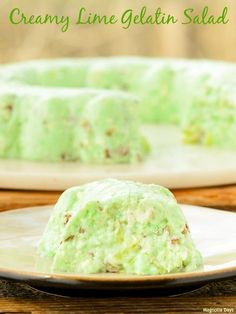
[70, 125]
[118, 226]
[169, 91]
[109, 131]
[211, 119]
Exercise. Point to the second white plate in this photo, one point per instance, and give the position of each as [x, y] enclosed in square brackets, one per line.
[171, 164]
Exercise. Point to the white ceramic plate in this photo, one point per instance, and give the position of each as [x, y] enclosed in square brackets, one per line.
[213, 231]
[171, 164]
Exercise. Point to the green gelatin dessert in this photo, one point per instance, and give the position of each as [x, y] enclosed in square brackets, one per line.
[84, 125]
[211, 119]
[156, 97]
[113, 226]
[168, 90]
[109, 131]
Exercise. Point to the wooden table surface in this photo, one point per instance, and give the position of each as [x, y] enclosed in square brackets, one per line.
[217, 297]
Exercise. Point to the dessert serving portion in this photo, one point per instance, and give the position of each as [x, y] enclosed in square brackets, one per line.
[113, 226]
[50, 113]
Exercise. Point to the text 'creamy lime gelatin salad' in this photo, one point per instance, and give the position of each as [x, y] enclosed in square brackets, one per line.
[113, 226]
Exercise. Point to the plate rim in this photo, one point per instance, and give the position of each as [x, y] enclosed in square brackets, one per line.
[31, 181]
[64, 278]
[109, 278]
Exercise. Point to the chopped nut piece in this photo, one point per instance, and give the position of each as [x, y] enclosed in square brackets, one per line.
[111, 268]
[108, 153]
[67, 217]
[69, 238]
[100, 206]
[124, 86]
[45, 122]
[110, 132]
[82, 144]
[81, 230]
[139, 158]
[63, 156]
[124, 151]
[9, 107]
[85, 124]
[186, 229]
[167, 229]
[91, 254]
[175, 240]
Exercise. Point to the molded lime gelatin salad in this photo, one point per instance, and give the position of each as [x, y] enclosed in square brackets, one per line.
[113, 226]
[49, 112]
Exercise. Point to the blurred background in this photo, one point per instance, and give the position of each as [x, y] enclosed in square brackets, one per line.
[47, 41]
